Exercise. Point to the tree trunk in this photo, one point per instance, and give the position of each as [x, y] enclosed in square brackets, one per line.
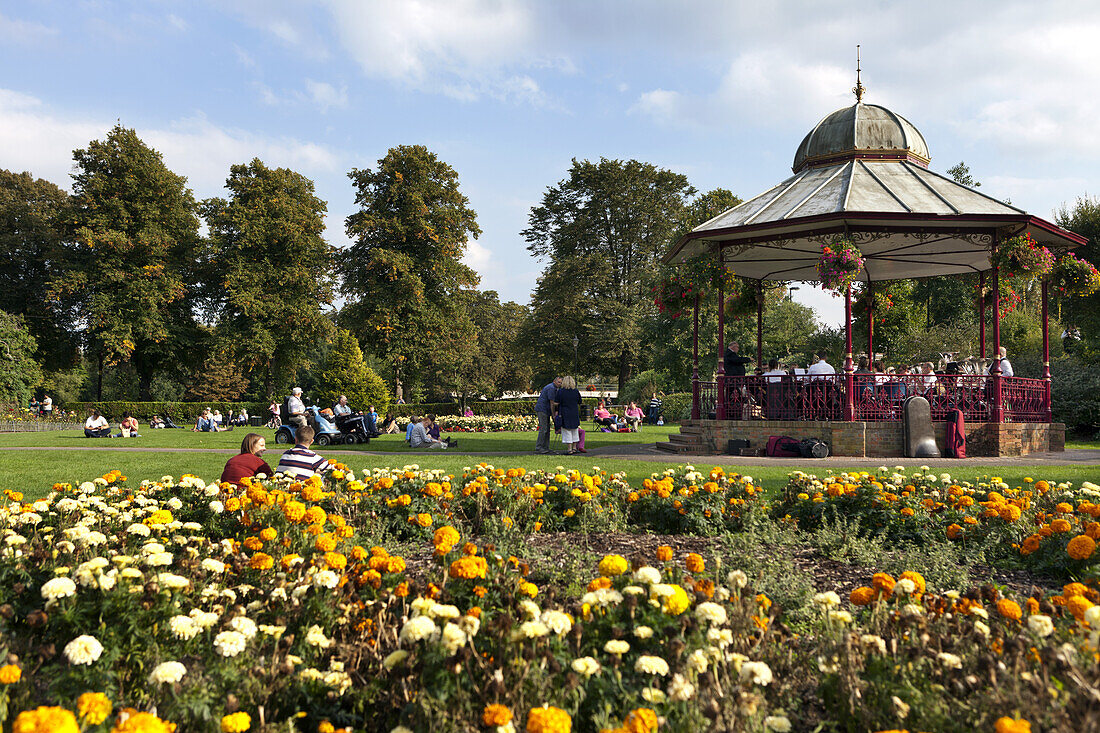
[145, 384]
[624, 370]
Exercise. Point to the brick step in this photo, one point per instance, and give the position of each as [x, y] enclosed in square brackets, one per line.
[678, 448]
[685, 439]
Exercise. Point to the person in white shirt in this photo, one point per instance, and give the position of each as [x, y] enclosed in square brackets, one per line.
[46, 406]
[1006, 365]
[774, 373]
[96, 426]
[928, 377]
[820, 368]
[295, 408]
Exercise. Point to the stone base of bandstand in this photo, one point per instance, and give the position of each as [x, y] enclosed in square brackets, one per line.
[874, 439]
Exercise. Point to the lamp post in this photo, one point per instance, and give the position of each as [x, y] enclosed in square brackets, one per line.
[790, 294]
[576, 342]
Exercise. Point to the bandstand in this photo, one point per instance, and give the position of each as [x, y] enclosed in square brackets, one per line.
[862, 174]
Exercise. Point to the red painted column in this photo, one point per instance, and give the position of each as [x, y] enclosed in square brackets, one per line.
[720, 408]
[981, 312]
[760, 323]
[995, 367]
[870, 327]
[849, 368]
[695, 359]
[1048, 414]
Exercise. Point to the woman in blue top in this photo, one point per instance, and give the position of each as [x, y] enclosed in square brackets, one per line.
[569, 407]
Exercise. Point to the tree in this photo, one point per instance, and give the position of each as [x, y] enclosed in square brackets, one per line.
[132, 265]
[273, 270]
[1083, 313]
[31, 238]
[344, 373]
[602, 232]
[19, 372]
[219, 380]
[402, 274]
[961, 173]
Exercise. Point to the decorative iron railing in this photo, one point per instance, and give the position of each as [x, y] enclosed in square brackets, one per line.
[875, 398]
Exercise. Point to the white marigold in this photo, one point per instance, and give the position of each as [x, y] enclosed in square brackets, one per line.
[680, 689]
[643, 632]
[452, 638]
[204, 619]
[211, 565]
[58, 588]
[616, 646]
[777, 723]
[758, 673]
[159, 559]
[828, 599]
[167, 673]
[905, 587]
[244, 625]
[737, 579]
[445, 611]
[951, 661]
[418, 628]
[651, 665]
[1040, 624]
[873, 641]
[230, 643]
[711, 612]
[326, 579]
[315, 636]
[216, 507]
[647, 574]
[532, 630]
[697, 661]
[139, 529]
[586, 666]
[172, 581]
[395, 659]
[558, 622]
[83, 650]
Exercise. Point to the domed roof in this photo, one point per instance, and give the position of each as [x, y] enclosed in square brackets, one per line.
[861, 131]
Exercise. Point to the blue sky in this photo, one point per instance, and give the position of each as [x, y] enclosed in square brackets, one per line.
[509, 92]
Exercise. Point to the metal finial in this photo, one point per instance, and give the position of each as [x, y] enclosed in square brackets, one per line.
[858, 89]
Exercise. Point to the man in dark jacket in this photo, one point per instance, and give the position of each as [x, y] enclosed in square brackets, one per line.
[734, 362]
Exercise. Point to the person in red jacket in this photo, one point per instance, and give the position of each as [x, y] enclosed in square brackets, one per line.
[248, 461]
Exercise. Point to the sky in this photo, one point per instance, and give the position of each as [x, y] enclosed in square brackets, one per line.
[508, 93]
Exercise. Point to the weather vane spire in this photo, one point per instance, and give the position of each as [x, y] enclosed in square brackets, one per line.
[859, 89]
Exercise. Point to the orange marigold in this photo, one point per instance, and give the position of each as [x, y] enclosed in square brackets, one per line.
[1011, 725]
[261, 561]
[1060, 525]
[1077, 605]
[446, 536]
[862, 596]
[694, 563]
[335, 560]
[548, 719]
[954, 531]
[664, 553]
[496, 715]
[469, 567]
[883, 583]
[640, 720]
[1031, 544]
[1081, 547]
[1009, 609]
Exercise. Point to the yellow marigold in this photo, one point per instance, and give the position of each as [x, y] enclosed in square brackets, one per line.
[394, 564]
[232, 504]
[1009, 609]
[664, 553]
[1077, 605]
[548, 720]
[261, 561]
[93, 707]
[136, 722]
[496, 715]
[1031, 544]
[424, 519]
[1074, 589]
[253, 543]
[325, 542]
[1010, 725]
[326, 727]
[45, 720]
[372, 578]
[695, 563]
[1060, 525]
[446, 536]
[528, 589]
[10, 674]
[883, 583]
[160, 516]
[267, 534]
[677, 602]
[640, 720]
[862, 596]
[236, 722]
[1081, 547]
[358, 553]
[335, 560]
[315, 515]
[312, 492]
[906, 512]
[468, 567]
[613, 565]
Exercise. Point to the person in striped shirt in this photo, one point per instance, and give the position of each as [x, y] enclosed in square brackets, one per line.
[300, 462]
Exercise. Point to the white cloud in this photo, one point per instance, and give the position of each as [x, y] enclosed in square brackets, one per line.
[462, 48]
[177, 22]
[662, 105]
[325, 96]
[41, 141]
[14, 30]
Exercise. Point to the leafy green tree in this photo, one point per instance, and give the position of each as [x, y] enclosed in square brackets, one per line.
[344, 373]
[1083, 313]
[272, 271]
[402, 274]
[19, 372]
[961, 173]
[602, 232]
[132, 267]
[218, 380]
[32, 233]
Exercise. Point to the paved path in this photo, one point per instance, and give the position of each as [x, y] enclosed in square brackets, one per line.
[647, 452]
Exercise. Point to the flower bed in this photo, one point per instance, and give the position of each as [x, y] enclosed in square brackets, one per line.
[483, 423]
[276, 607]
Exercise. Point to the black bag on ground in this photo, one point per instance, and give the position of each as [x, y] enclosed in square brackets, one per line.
[814, 448]
[783, 447]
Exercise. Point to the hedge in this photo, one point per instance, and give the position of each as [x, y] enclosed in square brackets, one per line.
[180, 412]
[478, 407]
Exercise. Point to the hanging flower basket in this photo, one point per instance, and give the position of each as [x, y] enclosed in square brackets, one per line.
[840, 265]
[1022, 258]
[742, 301]
[674, 294]
[1074, 276]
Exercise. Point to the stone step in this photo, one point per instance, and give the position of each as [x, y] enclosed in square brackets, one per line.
[692, 440]
[675, 448]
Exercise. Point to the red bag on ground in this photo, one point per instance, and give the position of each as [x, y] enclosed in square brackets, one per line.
[956, 434]
[783, 447]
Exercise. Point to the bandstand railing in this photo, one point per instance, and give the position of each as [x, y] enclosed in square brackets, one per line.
[874, 398]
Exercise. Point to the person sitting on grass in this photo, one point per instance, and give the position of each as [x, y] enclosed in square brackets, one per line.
[634, 417]
[205, 423]
[300, 462]
[603, 417]
[155, 423]
[128, 428]
[420, 437]
[248, 461]
[389, 425]
[96, 426]
[413, 422]
[433, 431]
